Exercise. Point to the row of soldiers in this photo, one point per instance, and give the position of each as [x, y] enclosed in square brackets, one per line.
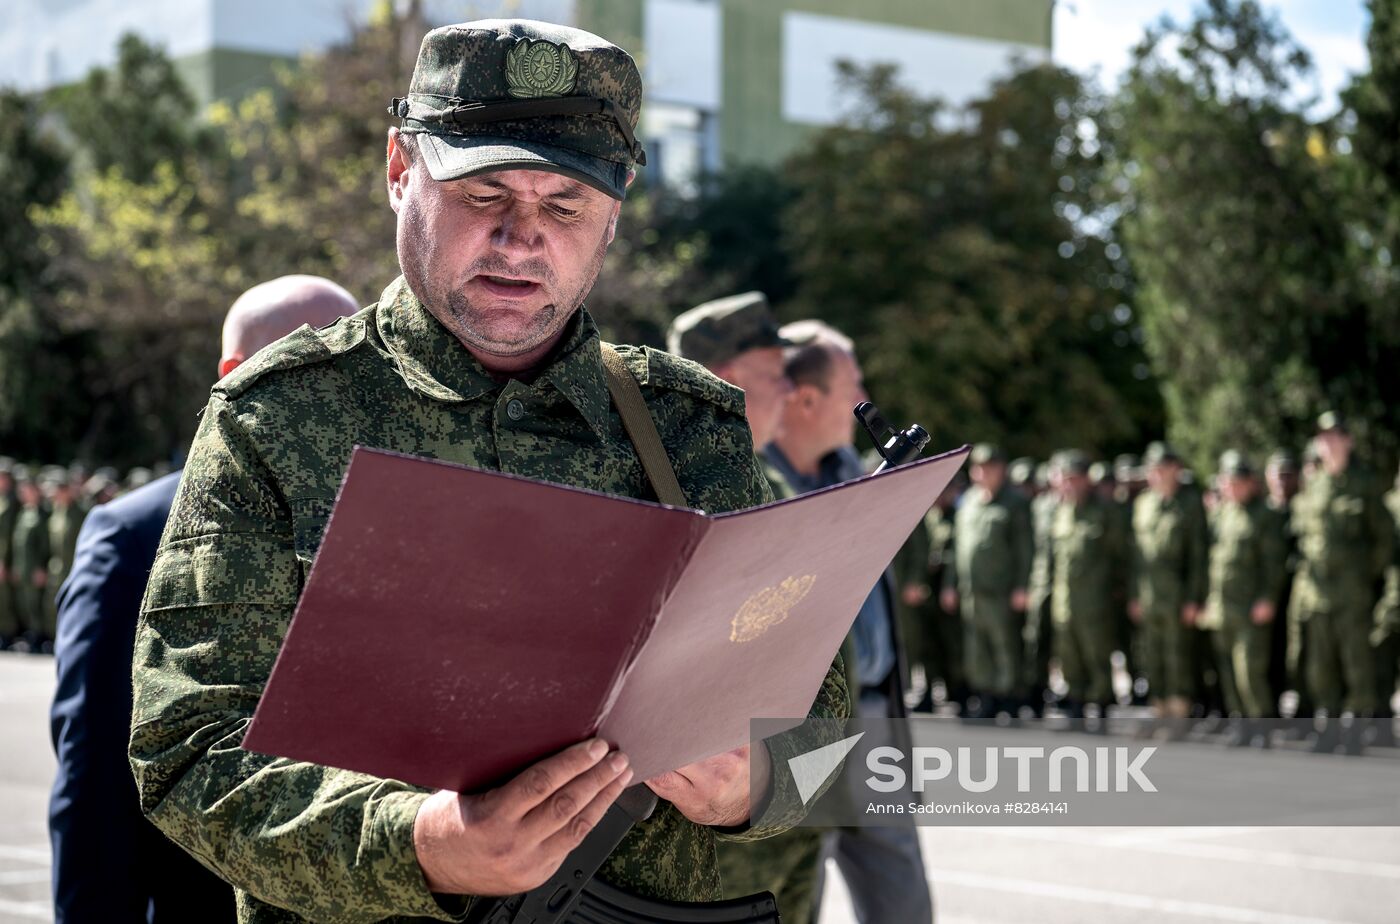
[41, 511]
[1219, 598]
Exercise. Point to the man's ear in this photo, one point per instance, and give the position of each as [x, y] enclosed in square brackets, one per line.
[612, 221]
[397, 171]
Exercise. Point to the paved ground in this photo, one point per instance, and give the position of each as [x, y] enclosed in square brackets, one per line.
[980, 875]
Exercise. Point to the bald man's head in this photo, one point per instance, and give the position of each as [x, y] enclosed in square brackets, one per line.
[273, 309]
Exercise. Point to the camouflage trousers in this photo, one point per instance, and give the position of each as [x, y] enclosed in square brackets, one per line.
[1084, 647]
[1037, 642]
[1166, 652]
[933, 641]
[785, 865]
[992, 643]
[1340, 665]
[1387, 673]
[29, 606]
[9, 618]
[1242, 651]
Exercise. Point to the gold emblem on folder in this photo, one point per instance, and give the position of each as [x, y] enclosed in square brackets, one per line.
[768, 607]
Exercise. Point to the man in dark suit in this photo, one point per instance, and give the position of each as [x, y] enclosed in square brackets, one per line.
[109, 863]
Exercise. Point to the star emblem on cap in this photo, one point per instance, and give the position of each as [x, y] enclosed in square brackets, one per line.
[539, 68]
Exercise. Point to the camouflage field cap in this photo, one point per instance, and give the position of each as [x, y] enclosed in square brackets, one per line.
[1159, 453]
[512, 94]
[1235, 464]
[1021, 471]
[715, 332]
[986, 453]
[1331, 420]
[1071, 462]
[1283, 462]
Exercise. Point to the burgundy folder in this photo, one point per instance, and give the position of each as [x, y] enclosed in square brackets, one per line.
[459, 625]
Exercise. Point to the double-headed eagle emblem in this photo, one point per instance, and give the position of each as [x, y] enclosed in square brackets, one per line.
[768, 607]
[538, 68]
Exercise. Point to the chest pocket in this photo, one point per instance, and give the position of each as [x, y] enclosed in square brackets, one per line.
[1345, 517]
[309, 516]
[992, 524]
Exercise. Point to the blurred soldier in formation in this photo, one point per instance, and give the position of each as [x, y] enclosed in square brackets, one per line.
[1083, 563]
[1168, 581]
[1040, 630]
[1385, 637]
[1128, 472]
[1246, 568]
[29, 562]
[65, 519]
[994, 551]
[1345, 536]
[9, 512]
[1281, 477]
[933, 633]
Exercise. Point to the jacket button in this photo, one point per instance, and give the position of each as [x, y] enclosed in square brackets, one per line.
[514, 409]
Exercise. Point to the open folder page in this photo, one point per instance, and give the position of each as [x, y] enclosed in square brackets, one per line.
[459, 625]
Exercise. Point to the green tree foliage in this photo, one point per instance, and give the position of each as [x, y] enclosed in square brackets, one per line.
[38, 374]
[1239, 237]
[969, 254]
[134, 116]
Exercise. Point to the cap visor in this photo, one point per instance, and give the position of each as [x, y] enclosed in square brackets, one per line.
[454, 157]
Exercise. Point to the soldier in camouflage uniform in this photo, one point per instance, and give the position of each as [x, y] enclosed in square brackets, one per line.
[9, 512]
[1281, 479]
[995, 547]
[1168, 580]
[1246, 568]
[939, 643]
[65, 519]
[1039, 634]
[29, 562]
[1345, 536]
[482, 354]
[1385, 637]
[737, 339]
[1083, 563]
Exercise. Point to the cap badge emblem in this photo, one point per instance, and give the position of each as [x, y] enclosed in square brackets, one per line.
[538, 68]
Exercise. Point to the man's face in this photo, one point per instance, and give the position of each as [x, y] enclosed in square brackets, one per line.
[828, 412]
[1334, 447]
[503, 259]
[1282, 485]
[1164, 478]
[989, 476]
[760, 374]
[1074, 486]
[1237, 489]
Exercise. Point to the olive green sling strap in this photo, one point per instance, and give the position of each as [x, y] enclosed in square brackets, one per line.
[641, 429]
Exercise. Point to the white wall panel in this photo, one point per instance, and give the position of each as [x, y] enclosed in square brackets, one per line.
[683, 52]
[954, 67]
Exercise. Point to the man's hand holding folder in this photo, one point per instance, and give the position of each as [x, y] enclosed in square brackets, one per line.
[512, 838]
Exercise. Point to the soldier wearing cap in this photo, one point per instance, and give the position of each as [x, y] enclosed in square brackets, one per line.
[737, 339]
[1385, 637]
[65, 519]
[29, 561]
[1083, 563]
[1246, 568]
[1040, 627]
[994, 548]
[507, 173]
[1281, 482]
[1345, 537]
[9, 512]
[1168, 581]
